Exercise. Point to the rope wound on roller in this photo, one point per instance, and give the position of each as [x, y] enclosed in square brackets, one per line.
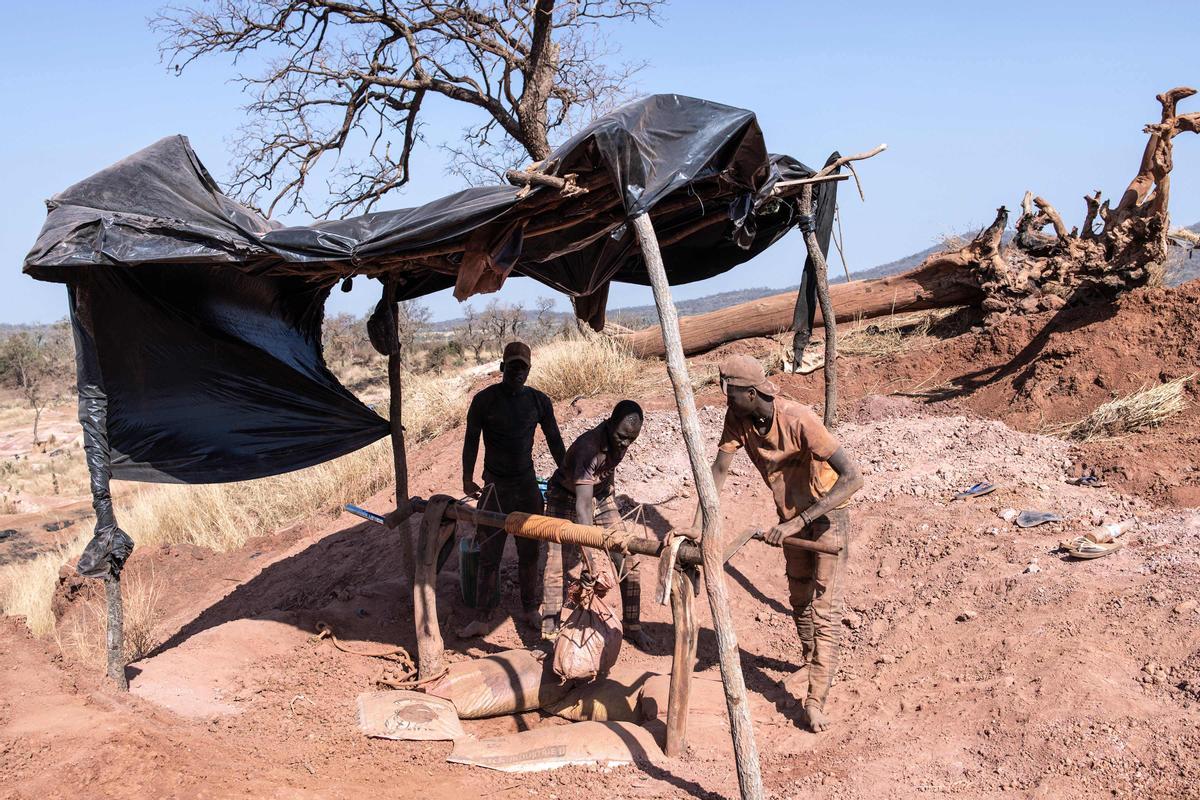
[561, 531]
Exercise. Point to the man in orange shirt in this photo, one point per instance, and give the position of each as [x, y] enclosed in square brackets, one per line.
[811, 478]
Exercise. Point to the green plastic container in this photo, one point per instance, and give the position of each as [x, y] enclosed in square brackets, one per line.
[468, 572]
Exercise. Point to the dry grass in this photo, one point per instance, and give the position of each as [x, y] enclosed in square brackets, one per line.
[434, 404]
[224, 516]
[586, 366]
[890, 335]
[27, 588]
[82, 639]
[1148, 407]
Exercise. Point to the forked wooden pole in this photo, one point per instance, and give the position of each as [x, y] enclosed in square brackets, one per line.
[115, 640]
[683, 659]
[432, 534]
[400, 462]
[744, 750]
[828, 318]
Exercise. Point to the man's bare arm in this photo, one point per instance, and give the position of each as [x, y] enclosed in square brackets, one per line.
[720, 471]
[471, 448]
[848, 482]
[553, 436]
[585, 513]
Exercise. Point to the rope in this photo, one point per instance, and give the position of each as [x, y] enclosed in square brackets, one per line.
[561, 531]
[401, 676]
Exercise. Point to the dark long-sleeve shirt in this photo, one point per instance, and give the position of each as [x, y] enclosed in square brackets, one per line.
[507, 421]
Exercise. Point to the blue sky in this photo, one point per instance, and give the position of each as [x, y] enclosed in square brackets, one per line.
[977, 103]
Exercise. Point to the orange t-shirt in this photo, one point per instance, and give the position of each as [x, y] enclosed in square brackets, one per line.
[792, 456]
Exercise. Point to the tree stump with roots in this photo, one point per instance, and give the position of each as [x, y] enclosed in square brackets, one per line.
[1115, 249]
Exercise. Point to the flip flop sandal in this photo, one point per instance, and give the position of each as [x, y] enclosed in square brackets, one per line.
[978, 490]
[1090, 481]
[1029, 519]
[1085, 548]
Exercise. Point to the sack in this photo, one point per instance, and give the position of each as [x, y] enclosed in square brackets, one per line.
[589, 639]
[407, 715]
[606, 744]
[504, 683]
[614, 698]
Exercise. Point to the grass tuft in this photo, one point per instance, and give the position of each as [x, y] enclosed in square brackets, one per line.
[1148, 407]
[587, 366]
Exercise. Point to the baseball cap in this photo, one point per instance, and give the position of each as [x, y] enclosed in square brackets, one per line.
[516, 351]
[746, 371]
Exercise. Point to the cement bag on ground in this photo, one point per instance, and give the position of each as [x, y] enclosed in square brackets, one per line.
[613, 698]
[553, 746]
[504, 683]
[408, 716]
[589, 639]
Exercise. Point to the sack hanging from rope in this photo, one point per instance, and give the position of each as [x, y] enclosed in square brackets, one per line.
[589, 639]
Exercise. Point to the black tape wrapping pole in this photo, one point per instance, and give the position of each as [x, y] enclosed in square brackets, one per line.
[105, 555]
[825, 200]
[110, 547]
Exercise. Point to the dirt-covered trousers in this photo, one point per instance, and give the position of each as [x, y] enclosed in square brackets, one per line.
[507, 496]
[816, 583]
[560, 560]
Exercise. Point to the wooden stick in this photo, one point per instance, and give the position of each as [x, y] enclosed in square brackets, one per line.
[744, 749]
[828, 318]
[432, 535]
[844, 160]
[783, 187]
[683, 659]
[400, 463]
[116, 632]
[565, 184]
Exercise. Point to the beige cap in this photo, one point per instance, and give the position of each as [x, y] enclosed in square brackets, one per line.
[746, 371]
[516, 351]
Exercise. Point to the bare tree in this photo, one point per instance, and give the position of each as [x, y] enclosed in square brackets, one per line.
[515, 314]
[341, 75]
[473, 333]
[338, 334]
[34, 361]
[412, 319]
[545, 320]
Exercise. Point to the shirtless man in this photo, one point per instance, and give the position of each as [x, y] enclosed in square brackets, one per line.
[583, 490]
[811, 478]
[507, 415]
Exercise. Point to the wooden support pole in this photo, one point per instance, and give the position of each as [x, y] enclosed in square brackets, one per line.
[744, 749]
[683, 658]
[115, 638]
[432, 534]
[400, 462]
[828, 318]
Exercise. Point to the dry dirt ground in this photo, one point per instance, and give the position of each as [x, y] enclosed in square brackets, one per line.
[977, 662]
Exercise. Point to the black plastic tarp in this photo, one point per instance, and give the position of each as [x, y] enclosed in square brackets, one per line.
[203, 333]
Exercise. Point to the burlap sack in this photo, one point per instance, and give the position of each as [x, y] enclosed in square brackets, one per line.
[589, 639]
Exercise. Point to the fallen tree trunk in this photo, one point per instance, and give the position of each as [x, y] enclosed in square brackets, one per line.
[940, 283]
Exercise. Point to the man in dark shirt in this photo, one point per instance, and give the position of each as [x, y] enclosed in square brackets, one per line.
[583, 490]
[507, 414]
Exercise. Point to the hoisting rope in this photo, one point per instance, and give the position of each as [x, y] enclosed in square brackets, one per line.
[403, 675]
